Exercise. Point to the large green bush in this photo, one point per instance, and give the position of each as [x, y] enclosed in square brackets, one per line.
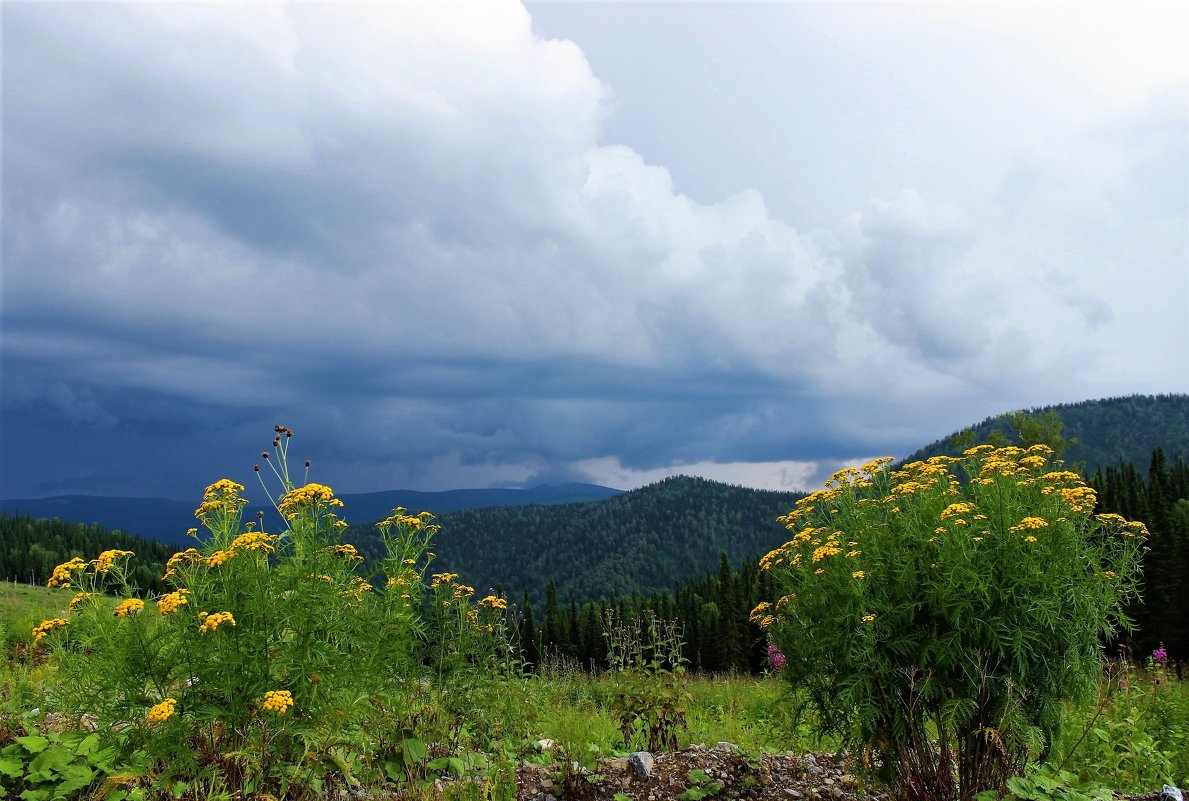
[939, 614]
[272, 665]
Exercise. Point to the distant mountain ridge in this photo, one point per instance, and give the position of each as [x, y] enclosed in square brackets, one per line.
[1108, 431]
[166, 520]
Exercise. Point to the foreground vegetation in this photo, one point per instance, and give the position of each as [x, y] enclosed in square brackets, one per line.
[945, 632]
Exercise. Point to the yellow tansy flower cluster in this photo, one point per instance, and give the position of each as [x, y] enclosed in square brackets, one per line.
[761, 615]
[190, 556]
[129, 606]
[161, 712]
[62, 573]
[347, 551]
[107, 559]
[211, 622]
[492, 602]
[309, 496]
[277, 701]
[78, 600]
[43, 629]
[442, 578]
[956, 509]
[1030, 524]
[253, 541]
[173, 601]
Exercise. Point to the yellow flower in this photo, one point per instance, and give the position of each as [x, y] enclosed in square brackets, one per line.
[1030, 524]
[442, 578]
[819, 571]
[253, 541]
[129, 606]
[107, 559]
[162, 711]
[759, 612]
[956, 509]
[491, 602]
[43, 629]
[1030, 538]
[347, 551]
[211, 622]
[62, 573]
[868, 618]
[190, 556]
[173, 601]
[858, 574]
[277, 701]
[78, 600]
[311, 496]
[218, 558]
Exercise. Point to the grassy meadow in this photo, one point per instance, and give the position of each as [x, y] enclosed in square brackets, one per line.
[943, 633]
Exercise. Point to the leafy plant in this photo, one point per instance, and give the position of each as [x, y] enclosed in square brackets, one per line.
[939, 614]
[700, 786]
[56, 765]
[648, 670]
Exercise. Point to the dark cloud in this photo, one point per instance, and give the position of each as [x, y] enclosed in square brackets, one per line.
[401, 233]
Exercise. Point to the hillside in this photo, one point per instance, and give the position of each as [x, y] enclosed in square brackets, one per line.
[639, 541]
[166, 520]
[1106, 431]
[30, 549]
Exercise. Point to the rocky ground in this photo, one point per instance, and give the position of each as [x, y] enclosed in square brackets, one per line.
[726, 773]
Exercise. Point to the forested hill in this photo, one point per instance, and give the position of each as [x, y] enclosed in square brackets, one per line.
[641, 541]
[30, 549]
[1107, 431]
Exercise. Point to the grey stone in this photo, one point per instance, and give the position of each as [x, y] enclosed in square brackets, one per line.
[642, 762]
[791, 793]
[1170, 793]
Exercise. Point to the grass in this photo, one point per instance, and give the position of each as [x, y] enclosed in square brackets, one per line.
[1132, 740]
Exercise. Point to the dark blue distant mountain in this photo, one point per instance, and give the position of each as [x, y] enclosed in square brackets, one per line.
[166, 520]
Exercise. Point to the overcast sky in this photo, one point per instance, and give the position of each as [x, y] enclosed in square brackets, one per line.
[457, 245]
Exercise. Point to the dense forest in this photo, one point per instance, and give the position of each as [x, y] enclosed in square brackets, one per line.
[641, 541]
[30, 549]
[1098, 433]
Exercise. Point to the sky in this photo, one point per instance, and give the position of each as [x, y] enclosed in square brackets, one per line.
[466, 245]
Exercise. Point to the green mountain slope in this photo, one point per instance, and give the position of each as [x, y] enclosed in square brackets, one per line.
[1107, 431]
[30, 549]
[639, 541]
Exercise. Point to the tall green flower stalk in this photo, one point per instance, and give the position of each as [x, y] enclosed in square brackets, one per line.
[939, 614]
[256, 669]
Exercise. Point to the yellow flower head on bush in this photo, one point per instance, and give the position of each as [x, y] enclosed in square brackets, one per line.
[43, 629]
[211, 622]
[161, 712]
[1030, 524]
[107, 559]
[252, 541]
[277, 701]
[218, 558]
[190, 556]
[222, 497]
[492, 602]
[78, 600]
[311, 496]
[129, 606]
[347, 551]
[442, 578]
[62, 573]
[173, 601]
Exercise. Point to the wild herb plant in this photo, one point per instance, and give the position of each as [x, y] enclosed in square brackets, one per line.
[648, 671]
[256, 671]
[939, 614]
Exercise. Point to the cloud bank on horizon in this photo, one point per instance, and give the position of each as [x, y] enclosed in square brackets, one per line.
[483, 244]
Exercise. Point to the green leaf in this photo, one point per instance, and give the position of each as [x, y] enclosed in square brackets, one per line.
[34, 743]
[11, 767]
[412, 749]
[36, 795]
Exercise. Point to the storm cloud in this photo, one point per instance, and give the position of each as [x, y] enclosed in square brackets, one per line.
[422, 236]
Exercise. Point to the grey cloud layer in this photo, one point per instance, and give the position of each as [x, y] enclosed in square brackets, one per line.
[399, 228]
